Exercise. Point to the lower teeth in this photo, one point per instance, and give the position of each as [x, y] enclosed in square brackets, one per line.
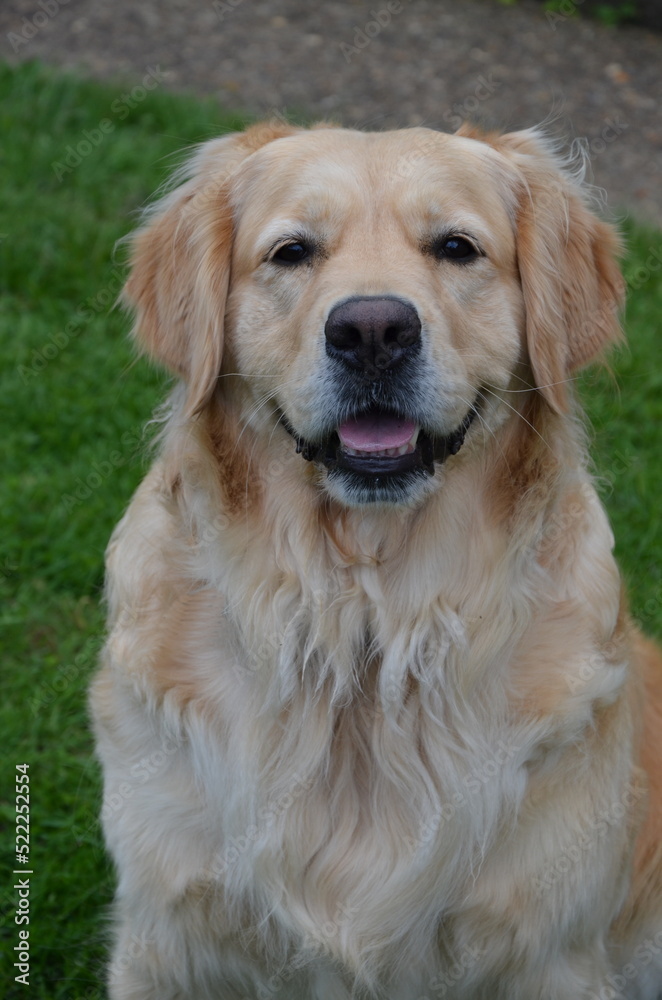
[405, 449]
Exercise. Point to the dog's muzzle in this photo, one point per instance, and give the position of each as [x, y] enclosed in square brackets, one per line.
[374, 343]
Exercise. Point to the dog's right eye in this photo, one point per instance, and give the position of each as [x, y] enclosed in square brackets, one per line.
[455, 248]
[291, 253]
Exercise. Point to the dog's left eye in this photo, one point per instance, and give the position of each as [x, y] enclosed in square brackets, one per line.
[291, 253]
[457, 248]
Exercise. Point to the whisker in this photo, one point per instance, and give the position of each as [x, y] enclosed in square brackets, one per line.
[263, 400]
[240, 375]
[259, 404]
[489, 430]
[520, 415]
[549, 385]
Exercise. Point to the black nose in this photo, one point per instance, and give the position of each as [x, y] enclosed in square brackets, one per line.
[373, 334]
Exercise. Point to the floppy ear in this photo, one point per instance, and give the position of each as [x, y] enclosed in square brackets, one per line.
[180, 264]
[571, 283]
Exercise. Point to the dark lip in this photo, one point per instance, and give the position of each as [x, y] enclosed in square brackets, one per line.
[429, 449]
[379, 465]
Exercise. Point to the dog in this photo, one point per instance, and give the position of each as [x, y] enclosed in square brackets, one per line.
[373, 719]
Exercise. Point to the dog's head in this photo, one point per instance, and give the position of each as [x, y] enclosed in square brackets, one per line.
[382, 298]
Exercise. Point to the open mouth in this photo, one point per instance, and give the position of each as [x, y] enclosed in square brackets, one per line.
[380, 444]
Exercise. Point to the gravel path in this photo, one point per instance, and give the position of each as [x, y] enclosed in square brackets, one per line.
[382, 64]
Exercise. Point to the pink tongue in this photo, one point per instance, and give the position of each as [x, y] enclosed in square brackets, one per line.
[376, 432]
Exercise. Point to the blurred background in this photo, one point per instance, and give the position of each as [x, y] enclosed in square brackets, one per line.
[595, 67]
[97, 101]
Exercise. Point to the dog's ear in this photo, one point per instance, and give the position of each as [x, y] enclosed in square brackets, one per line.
[571, 283]
[180, 264]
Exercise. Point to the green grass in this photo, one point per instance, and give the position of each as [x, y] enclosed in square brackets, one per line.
[624, 408]
[74, 405]
[612, 14]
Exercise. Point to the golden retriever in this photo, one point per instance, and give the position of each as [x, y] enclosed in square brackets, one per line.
[373, 720]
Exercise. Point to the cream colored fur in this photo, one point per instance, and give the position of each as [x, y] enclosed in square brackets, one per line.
[374, 751]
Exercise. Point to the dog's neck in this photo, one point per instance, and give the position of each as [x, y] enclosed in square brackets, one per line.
[338, 589]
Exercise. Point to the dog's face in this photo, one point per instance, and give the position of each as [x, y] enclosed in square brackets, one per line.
[373, 303]
[385, 298]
